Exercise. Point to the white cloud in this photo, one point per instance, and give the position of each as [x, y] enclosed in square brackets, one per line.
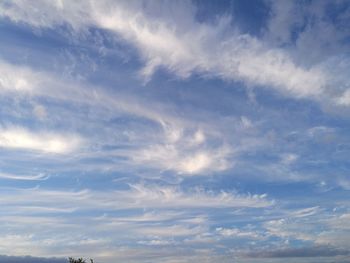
[283, 17]
[172, 197]
[169, 231]
[182, 159]
[237, 233]
[344, 99]
[336, 231]
[21, 138]
[184, 48]
[46, 13]
[155, 242]
[310, 41]
[344, 183]
[52, 220]
[198, 138]
[39, 112]
[137, 197]
[23, 243]
[184, 151]
[306, 212]
[171, 37]
[18, 79]
[289, 158]
[178, 147]
[341, 222]
[23, 81]
[287, 229]
[38, 177]
[312, 224]
[246, 123]
[196, 163]
[183, 145]
[186, 161]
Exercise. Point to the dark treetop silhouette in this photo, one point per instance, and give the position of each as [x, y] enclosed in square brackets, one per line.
[79, 260]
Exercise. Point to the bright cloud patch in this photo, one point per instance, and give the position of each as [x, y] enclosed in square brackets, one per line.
[19, 138]
[183, 47]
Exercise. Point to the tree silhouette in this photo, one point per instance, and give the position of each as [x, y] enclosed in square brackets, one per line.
[79, 260]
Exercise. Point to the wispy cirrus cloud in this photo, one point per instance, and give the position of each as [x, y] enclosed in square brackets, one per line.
[187, 47]
[39, 177]
[138, 196]
[166, 131]
[180, 145]
[165, 214]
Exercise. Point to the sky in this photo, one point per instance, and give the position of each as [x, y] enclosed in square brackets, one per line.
[175, 131]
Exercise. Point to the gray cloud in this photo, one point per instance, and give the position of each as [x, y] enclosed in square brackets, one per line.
[29, 259]
[315, 251]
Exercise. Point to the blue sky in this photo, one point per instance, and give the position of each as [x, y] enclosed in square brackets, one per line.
[175, 131]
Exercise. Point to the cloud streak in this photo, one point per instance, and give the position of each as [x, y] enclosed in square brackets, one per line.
[20, 138]
[39, 177]
[186, 47]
